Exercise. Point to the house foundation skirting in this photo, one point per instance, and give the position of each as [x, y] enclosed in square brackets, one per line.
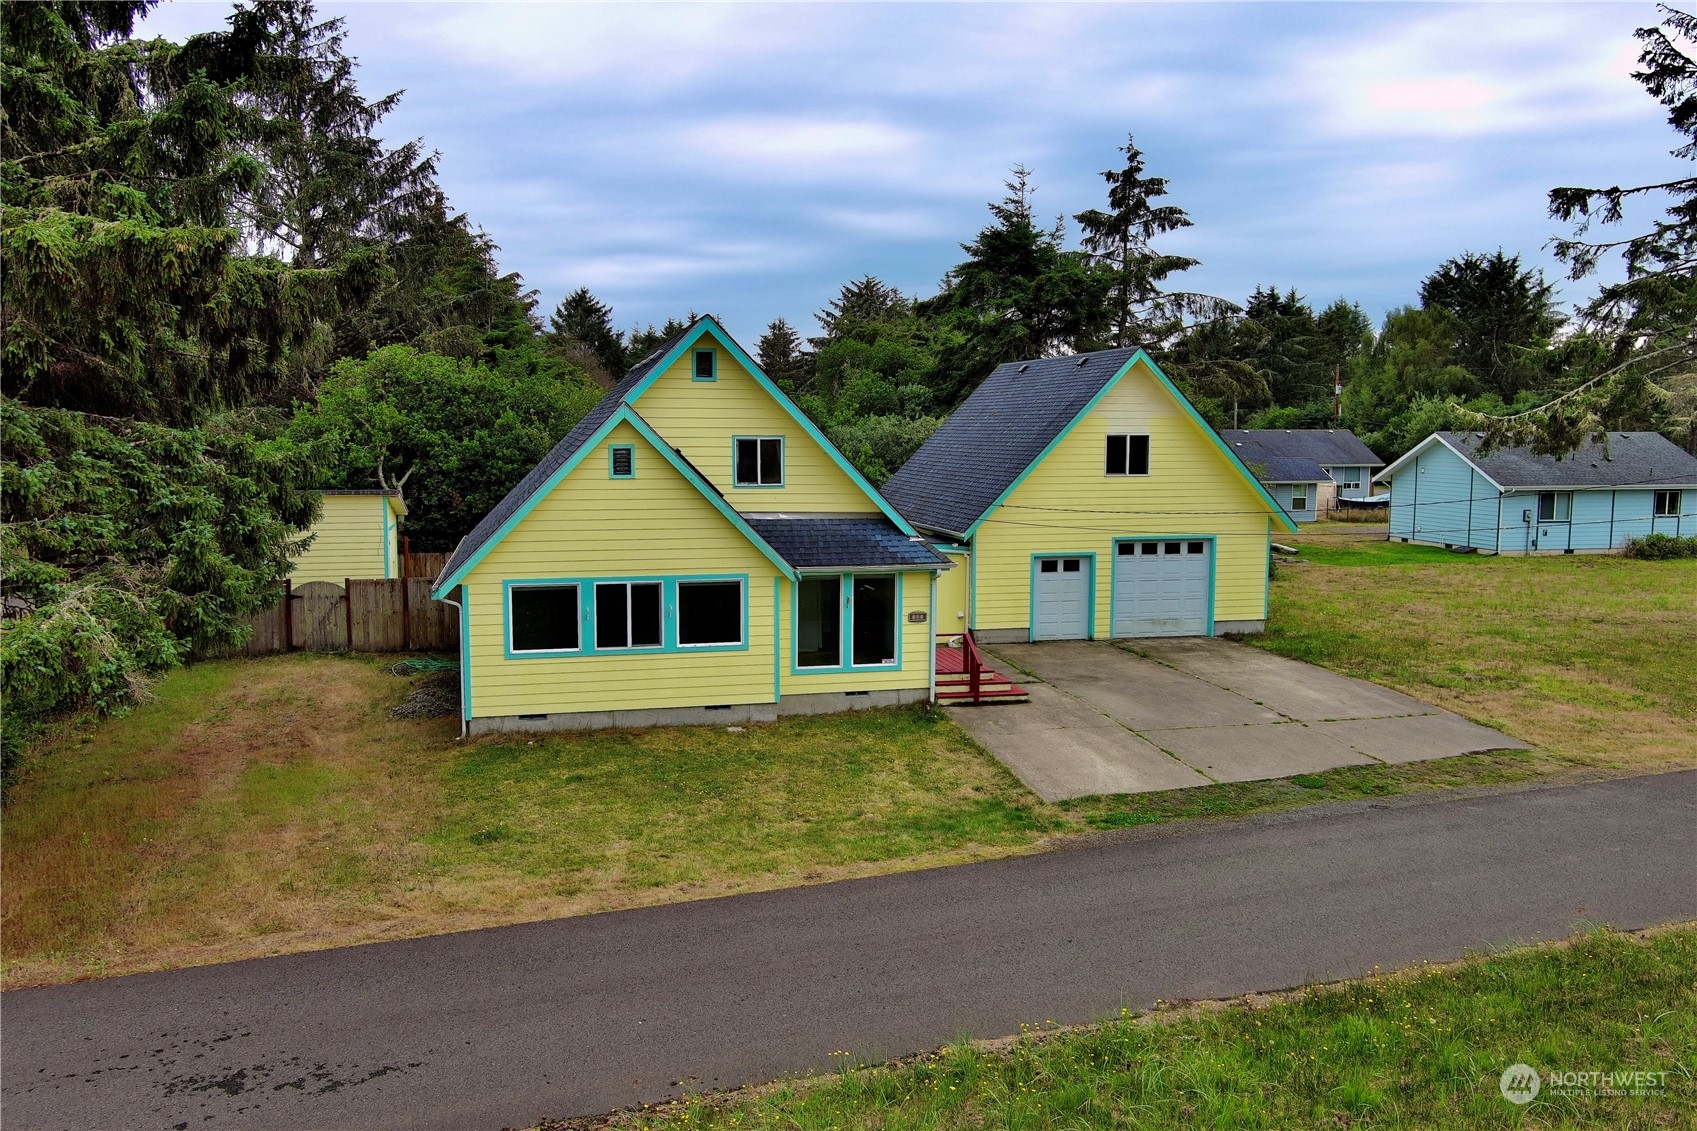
[1221, 627]
[1023, 636]
[820, 703]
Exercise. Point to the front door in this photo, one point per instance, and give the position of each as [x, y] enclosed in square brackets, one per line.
[1061, 599]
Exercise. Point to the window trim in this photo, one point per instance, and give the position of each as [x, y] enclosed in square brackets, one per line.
[783, 460]
[1307, 496]
[612, 460]
[678, 584]
[586, 615]
[1148, 455]
[1678, 497]
[629, 584]
[507, 618]
[1555, 508]
[845, 657]
[712, 365]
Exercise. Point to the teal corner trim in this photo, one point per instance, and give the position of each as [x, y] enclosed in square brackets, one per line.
[845, 642]
[1267, 586]
[612, 453]
[465, 653]
[1090, 616]
[1213, 565]
[712, 357]
[388, 568]
[971, 586]
[783, 460]
[624, 415]
[777, 640]
[1184, 402]
[707, 324]
[585, 587]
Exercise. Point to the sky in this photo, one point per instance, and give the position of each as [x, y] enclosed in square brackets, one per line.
[747, 160]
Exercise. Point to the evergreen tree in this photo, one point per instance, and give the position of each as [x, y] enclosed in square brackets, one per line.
[1118, 241]
[1503, 317]
[640, 342]
[782, 358]
[859, 309]
[583, 318]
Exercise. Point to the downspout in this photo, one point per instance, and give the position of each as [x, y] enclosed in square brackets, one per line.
[465, 650]
[931, 620]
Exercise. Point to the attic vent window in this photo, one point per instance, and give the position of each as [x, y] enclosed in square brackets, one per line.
[704, 365]
[623, 462]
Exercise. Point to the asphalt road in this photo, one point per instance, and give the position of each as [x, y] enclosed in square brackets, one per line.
[503, 1027]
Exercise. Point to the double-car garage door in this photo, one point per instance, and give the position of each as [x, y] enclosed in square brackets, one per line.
[1161, 588]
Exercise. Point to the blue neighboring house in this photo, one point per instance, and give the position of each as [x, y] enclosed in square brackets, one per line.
[1331, 463]
[1446, 493]
[1294, 481]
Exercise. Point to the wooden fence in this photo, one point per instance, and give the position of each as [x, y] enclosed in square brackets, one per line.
[364, 615]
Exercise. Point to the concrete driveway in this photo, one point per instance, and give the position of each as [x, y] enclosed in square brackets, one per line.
[1194, 710]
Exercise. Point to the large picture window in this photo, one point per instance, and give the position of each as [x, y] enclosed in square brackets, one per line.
[819, 621]
[627, 614]
[759, 461]
[874, 610]
[709, 612]
[543, 618]
[1128, 455]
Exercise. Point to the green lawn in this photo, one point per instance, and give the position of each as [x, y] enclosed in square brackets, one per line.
[1420, 1049]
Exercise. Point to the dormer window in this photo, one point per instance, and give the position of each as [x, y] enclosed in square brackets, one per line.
[1128, 455]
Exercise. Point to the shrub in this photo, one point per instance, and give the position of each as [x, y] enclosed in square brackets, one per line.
[1661, 547]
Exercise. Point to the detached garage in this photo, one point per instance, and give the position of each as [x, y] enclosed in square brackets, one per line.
[1087, 499]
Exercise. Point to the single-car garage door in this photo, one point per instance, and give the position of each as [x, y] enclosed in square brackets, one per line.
[1060, 599]
[1161, 588]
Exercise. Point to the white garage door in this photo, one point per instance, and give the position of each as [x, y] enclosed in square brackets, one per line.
[1161, 588]
[1061, 594]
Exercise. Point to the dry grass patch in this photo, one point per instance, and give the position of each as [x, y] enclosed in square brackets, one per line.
[256, 807]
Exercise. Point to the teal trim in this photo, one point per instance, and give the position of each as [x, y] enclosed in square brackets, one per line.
[721, 336]
[846, 641]
[949, 548]
[585, 587]
[712, 365]
[465, 653]
[388, 568]
[1213, 565]
[971, 588]
[1090, 616]
[783, 470]
[1190, 409]
[624, 415]
[777, 640]
[615, 448]
[1267, 583]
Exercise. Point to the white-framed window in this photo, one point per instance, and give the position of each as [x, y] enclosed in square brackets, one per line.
[1299, 496]
[1668, 504]
[1127, 455]
[710, 613]
[627, 615]
[874, 615]
[819, 622]
[1555, 506]
[759, 461]
[1347, 477]
[543, 618]
[866, 619]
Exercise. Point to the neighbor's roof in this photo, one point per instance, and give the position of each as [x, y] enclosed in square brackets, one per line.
[1628, 459]
[1285, 469]
[558, 456]
[991, 439]
[1333, 447]
[840, 541]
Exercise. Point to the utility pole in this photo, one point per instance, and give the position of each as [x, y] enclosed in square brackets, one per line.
[1337, 395]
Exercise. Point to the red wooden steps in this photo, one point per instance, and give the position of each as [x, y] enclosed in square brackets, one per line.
[957, 668]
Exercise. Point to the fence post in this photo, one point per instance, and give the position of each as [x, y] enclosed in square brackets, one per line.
[406, 612]
[348, 607]
[288, 614]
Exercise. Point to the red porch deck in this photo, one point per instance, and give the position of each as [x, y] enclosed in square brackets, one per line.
[964, 678]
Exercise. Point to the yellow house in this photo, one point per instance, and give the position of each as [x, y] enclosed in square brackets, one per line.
[1084, 498]
[695, 550]
[357, 534]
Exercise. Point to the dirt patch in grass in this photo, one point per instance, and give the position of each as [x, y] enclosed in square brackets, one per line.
[1418, 1048]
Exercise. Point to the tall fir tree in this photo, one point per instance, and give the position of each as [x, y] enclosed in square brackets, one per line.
[585, 319]
[1503, 314]
[782, 358]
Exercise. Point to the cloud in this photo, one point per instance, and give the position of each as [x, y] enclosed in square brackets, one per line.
[810, 146]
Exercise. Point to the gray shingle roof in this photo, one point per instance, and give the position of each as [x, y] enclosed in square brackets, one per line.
[1332, 447]
[995, 435]
[823, 542]
[1629, 459]
[1285, 469]
[558, 456]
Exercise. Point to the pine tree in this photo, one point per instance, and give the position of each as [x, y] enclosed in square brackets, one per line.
[583, 318]
[1503, 314]
[782, 358]
[864, 303]
[1119, 243]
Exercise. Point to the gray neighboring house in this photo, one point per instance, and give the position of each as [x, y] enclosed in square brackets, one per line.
[1294, 481]
[1347, 465]
[1446, 492]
